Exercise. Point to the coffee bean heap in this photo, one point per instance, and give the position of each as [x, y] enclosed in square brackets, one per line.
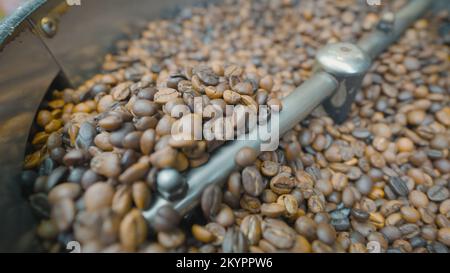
[382, 176]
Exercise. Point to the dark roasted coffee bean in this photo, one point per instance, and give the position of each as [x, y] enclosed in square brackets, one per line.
[360, 215]
[143, 108]
[340, 224]
[40, 205]
[117, 136]
[56, 176]
[166, 219]
[398, 186]
[437, 247]
[211, 201]
[86, 134]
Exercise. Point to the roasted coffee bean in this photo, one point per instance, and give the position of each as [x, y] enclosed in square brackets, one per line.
[122, 200]
[164, 158]
[206, 75]
[225, 216]
[65, 190]
[133, 230]
[141, 195]
[74, 157]
[147, 141]
[110, 123]
[418, 199]
[134, 173]
[273, 210]
[107, 164]
[231, 97]
[251, 228]
[202, 234]
[98, 196]
[444, 236]
[398, 186]
[86, 134]
[410, 214]
[278, 233]
[252, 181]
[269, 168]
[234, 241]
[144, 108]
[211, 200]
[166, 219]
[306, 226]
[40, 205]
[55, 177]
[165, 94]
[438, 193]
[360, 215]
[246, 156]
[63, 213]
[326, 233]
[282, 183]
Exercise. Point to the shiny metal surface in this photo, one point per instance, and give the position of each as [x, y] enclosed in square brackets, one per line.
[296, 107]
[348, 64]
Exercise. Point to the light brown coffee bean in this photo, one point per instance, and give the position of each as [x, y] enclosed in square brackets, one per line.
[63, 214]
[133, 230]
[252, 181]
[251, 228]
[202, 234]
[98, 196]
[273, 210]
[282, 183]
[122, 200]
[107, 164]
[134, 173]
[64, 190]
[141, 195]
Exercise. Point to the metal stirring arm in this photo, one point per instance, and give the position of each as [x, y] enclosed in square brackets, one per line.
[339, 71]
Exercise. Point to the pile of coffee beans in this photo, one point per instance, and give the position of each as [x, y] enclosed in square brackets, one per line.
[378, 182]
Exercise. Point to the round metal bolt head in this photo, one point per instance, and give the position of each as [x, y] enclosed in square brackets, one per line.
[343, 59]
[171, 184]
[48, 26]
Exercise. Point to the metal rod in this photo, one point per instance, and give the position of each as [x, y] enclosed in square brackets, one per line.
[296, 107]
[377, 41]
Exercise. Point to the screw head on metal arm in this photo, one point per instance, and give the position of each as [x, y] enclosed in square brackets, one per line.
[171, 184]
[348, 64]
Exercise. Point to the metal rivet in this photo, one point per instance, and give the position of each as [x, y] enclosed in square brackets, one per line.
[171, 184]
[49, 26]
